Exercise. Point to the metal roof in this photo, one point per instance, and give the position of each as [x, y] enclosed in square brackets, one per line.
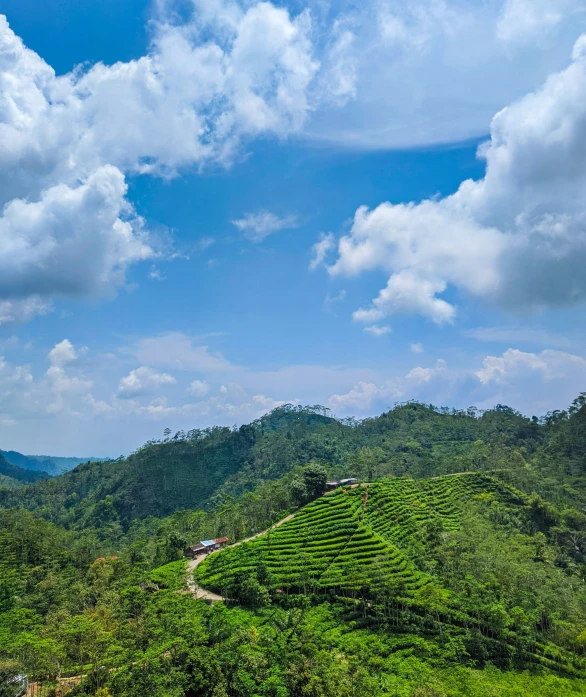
[208, 543]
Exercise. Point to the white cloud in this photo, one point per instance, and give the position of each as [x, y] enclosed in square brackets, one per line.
[420, 376]
[320, 250]
[257, 226]
[143, 380]
[514, 364]
[63, 353]
[17, 311]
[407, 293]
[67, 142]
[73, 242]
[416, 348]
[377, 330]
[198, 388]
[330, 301]
[516, 237]
[339, 74]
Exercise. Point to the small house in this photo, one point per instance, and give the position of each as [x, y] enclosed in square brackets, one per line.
[209, 546]
[336, 483]
[194, 550]
[205, 547]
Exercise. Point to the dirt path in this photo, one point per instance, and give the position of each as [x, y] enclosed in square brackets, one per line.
[194, 589]
[198, 591]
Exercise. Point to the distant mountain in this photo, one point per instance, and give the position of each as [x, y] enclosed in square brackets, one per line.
[46, 463]
[17, 475]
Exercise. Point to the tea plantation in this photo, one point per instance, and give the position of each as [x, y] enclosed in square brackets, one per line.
[364, 546]
[354, 536]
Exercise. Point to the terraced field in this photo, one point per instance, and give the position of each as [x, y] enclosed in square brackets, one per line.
[398, 508]
[352, 538]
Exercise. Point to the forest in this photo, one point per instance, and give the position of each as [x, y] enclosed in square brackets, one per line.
[455, 567]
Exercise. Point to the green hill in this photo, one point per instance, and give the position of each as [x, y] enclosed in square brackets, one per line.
[50, 464]
[203, 468]
[458, 572]
[19, 475]
[349, 539]
[386, 546]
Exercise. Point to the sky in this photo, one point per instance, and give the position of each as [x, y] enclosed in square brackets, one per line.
[210, 208]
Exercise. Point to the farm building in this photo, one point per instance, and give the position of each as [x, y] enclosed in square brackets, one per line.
[205, 547]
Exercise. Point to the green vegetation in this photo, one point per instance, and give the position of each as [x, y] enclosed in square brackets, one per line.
[13, 476]
[457, 571]
[43, 463]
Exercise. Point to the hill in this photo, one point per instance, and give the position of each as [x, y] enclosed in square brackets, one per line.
[44, 463]
[391, 548]
[203, 468]
[18, 475]
[457, 572]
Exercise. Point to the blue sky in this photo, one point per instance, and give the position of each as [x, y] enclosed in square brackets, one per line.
[213, 208]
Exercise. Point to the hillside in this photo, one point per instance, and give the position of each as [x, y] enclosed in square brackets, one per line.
[203, 468]
[390, 547]
[19, 475]
[50, 464]
[457, 572]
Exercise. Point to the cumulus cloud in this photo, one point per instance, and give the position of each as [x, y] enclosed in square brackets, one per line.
[18, 311]
[67, 142]
[420, 376]
[514, 364]
[61, 389]
[143, 380]
[62, 353]
[517, 237]
[416, 347]
[257, 226]
[72, 242]
[366, 396]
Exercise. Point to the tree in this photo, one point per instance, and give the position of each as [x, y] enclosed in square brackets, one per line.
[315, 478]
[298, 491]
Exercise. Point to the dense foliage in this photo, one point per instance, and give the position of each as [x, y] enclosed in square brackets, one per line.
[419, 584]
